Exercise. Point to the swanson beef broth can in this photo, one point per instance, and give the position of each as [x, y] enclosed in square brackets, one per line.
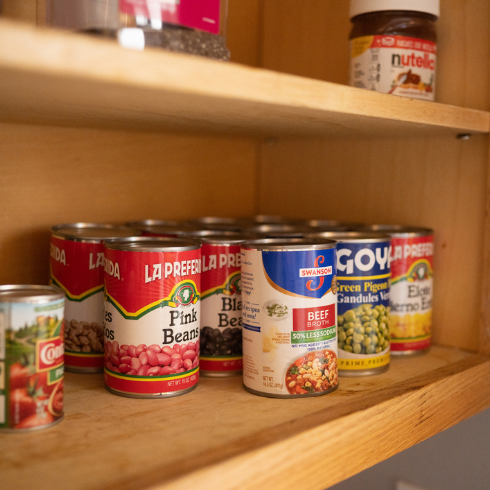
[221, 303]
[411, 288]
[152, 316]
[289, 317]
[363, 301]
[31, 357]
[77, 267]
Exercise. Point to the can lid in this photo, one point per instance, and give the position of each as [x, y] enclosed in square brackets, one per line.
[289, 244]
[400, 230]
[29, 293]
[218, 237]
[358, 7]
[151, 244]
[97, 232]
[352, 236]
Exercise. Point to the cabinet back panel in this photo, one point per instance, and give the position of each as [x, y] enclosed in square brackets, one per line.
[56, 175]
[437, 182]
[312, 39]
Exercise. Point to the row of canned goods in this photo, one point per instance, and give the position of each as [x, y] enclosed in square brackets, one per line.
[291, 309]
[217, 302]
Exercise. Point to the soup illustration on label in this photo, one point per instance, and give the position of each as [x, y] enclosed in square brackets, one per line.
[289, 317]
[152, 316]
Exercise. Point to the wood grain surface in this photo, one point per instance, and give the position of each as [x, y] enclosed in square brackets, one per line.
[220, 436]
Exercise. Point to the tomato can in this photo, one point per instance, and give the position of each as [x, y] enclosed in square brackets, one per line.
[152, 316]
[412, 271]
[77, 267]
[31, 357]
[363, 301]
[221, 303]
[289, 317]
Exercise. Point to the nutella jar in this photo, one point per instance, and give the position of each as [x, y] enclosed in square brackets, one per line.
[393, 46]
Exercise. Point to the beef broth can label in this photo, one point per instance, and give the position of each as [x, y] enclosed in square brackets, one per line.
[152, 321]
[221, 317]
[411, 293]
[363, 284]
[289, 320]
[31, 358]
[78, 269]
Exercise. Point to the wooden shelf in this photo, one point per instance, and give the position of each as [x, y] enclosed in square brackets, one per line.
[53, 77]
[220, 436]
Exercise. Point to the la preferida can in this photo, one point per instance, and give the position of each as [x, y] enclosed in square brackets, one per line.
[221, 303]
[77, 267]
[411, 288]
[31, 357]
[289, 317]
[363, 301]
[152, 316]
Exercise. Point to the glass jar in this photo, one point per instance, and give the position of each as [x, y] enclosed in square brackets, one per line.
[187, 26]
[393, 46]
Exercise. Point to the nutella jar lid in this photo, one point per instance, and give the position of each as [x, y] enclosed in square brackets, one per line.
[358, 7]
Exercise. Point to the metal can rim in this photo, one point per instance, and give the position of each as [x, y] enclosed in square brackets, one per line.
[8, 293]
[286, 244]
[352, 236]
[55, 231]
[144, 244]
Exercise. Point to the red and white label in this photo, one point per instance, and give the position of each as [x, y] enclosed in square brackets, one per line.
[396, 65]
[313, 318]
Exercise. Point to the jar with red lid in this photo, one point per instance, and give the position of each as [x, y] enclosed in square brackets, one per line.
[394, 46]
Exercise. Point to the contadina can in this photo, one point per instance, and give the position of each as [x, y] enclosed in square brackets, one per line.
[221, 303]
[363, 301]
[152, 316]
[31, 357]
[289, 317]
[77, 266]
[411, 288]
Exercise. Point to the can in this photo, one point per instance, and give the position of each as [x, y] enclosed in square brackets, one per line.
[278, 230]
[289, 317]
[412, 271]
[218, 223]
[152, 316]
[221, 303]
[31, 357]
[77, 267]
[363, 301]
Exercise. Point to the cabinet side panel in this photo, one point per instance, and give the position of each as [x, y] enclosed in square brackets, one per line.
[437, 182]
[53, 175]
[485, 296]
[23, 10]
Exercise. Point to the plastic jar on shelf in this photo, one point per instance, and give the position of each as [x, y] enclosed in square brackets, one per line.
[393, 46]
[195, 27]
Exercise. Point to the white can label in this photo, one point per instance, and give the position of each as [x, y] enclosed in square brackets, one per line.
[289, 321]
[394, 65]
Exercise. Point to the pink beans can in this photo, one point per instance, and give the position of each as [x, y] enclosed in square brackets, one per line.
[152, 316]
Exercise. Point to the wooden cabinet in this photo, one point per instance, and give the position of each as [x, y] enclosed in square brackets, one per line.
[90, 132]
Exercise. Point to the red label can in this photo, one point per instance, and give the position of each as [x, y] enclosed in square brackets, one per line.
[152, 316]
[31, 357]
[221, 310]
[77, 267]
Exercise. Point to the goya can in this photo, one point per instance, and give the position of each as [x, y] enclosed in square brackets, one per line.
[289, 317]
[363, 301]
[77, 267]
[221, 303]
[152, 316]
[31, 357]
[411, 288]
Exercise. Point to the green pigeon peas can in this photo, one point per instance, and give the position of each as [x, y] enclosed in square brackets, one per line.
[363, 301]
